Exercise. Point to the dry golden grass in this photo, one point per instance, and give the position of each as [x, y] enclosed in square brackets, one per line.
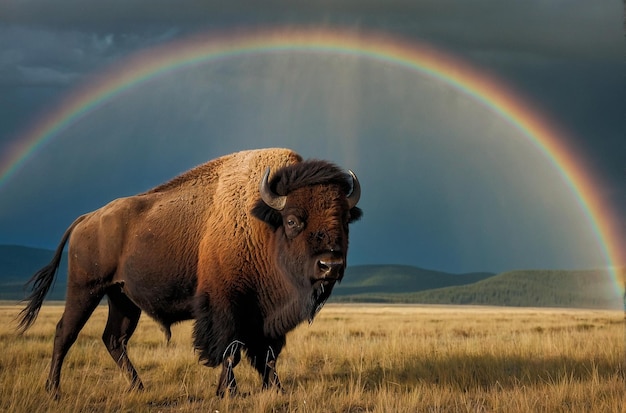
[354, 358]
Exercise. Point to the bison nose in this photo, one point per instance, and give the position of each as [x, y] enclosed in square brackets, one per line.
[329, 267]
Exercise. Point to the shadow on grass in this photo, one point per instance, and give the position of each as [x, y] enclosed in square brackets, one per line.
[475, 372]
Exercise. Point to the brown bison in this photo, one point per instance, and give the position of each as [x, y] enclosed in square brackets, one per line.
[247, 257]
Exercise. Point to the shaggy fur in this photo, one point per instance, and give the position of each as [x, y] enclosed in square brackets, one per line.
[309, 173]
[204, 246]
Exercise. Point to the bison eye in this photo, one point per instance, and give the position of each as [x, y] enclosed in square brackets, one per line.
[293, 222]
[293, 225]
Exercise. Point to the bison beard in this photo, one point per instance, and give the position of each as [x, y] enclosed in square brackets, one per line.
[318, 299]
[248, 257]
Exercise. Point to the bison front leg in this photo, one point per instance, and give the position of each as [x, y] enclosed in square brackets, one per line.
[231, 358]
[265, 363]
[270, 377]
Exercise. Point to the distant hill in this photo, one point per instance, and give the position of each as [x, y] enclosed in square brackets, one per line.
[387, 283]
[523, 288]
[367, 279]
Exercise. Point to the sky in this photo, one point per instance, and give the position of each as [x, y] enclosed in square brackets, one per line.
[447, 183]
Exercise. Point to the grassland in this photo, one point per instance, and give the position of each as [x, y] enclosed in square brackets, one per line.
[353, 358]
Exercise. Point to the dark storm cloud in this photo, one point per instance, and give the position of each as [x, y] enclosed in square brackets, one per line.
[54, 42]
[44, 57]
[551, 28]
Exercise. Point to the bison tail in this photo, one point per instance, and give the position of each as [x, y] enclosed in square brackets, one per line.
[41, 282]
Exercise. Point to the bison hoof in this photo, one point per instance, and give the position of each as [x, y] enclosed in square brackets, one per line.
[53, 390]
[275, 385]
[221, 392]
[136, 387]
[227, 381]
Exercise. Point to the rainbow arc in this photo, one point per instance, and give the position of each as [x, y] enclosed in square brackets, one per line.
[148, 65]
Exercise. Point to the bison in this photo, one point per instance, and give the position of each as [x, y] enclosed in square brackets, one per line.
[248, 258]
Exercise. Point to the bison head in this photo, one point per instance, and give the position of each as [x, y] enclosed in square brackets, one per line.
[308, 206]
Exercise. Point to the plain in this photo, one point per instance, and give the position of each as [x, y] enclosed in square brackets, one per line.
[353, 358]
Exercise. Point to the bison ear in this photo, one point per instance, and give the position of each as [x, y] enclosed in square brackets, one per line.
[355, 214]
[267, 214]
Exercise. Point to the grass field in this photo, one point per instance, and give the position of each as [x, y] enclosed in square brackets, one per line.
[353, 358]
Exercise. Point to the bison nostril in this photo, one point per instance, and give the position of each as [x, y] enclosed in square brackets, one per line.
[323, 267]
[329, 266]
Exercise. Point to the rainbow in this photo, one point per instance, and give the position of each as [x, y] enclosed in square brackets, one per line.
[483, 88]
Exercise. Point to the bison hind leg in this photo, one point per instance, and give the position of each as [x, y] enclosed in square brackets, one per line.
[121, 323]
[79, 306]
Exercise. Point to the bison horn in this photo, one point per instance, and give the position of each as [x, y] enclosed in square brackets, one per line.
[355, 195]
[268, 196]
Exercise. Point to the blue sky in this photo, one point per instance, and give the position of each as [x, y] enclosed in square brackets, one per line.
[447, 184]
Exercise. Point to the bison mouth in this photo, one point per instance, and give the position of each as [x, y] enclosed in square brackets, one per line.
[320, 295]
[324, 281]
